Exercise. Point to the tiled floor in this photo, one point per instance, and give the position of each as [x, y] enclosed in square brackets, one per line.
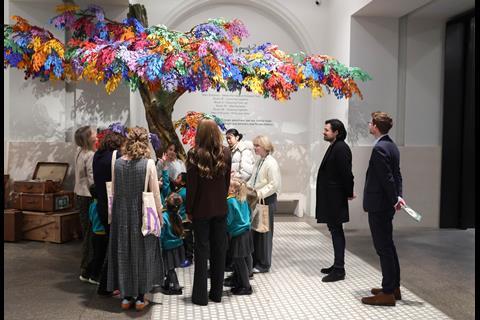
[293, 289]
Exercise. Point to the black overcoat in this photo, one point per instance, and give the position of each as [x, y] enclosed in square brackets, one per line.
[334, 184]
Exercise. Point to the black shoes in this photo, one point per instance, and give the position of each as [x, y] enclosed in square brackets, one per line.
[171, 290]
[242, 291]
[334, 275]
[229, 282]
[326, 270]
[214, 299]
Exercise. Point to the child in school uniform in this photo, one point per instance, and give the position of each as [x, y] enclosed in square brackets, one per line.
[164, 181]
[181, 182]
[241, 243]
[172, 244]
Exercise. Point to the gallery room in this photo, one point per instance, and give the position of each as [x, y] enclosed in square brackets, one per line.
[227, 159]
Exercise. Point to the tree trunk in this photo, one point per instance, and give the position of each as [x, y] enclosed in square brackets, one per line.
[158, 105]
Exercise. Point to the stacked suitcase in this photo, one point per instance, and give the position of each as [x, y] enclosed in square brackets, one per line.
[47, 210]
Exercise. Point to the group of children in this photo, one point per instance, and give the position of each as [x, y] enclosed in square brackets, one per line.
[177, 235]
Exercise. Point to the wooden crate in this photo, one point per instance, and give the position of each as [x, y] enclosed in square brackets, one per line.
[55, 227]
[12, 225]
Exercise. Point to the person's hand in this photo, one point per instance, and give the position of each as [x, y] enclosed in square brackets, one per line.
[164, 157]
[352, 197]
[400, 203]
[160, 182]
[190, 218]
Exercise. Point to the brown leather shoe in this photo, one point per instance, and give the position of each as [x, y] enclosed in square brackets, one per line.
[396, 292]
[380, 299]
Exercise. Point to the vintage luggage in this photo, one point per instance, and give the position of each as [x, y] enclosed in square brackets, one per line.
[12, 225]
[43, 201]
[55, 227]
[47, 178]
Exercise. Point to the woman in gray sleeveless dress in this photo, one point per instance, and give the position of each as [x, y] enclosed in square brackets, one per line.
[134, 261]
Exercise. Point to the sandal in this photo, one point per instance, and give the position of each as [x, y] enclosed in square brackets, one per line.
[140, 305]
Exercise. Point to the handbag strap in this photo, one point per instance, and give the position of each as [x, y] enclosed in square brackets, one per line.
[149, 161]
[114, 158]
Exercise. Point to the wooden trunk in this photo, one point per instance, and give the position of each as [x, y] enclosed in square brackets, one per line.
[43, 201]
[47, 178]
[32, 186]
[12, 225]
[55, 227]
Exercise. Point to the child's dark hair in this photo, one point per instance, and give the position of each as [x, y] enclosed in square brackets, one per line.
[183, 178]
[174, 201]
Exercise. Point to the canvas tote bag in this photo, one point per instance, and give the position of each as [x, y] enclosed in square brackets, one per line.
[150, 220]
[260, 220]
[109, 185]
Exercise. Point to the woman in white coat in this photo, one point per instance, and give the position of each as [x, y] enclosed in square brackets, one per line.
[266, 180]
[242, 155]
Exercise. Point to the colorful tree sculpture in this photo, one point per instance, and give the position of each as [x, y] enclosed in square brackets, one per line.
[163, 64]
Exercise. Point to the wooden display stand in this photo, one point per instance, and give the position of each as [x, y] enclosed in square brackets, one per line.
[12, 225]
[57, 227]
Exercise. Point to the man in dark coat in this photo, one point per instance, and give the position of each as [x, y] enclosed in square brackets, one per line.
[334, 189]
[382, 196]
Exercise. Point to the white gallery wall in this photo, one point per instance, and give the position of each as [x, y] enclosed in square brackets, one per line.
[404, 55]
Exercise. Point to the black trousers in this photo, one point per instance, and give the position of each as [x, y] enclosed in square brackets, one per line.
[263, 242]
[209, 233]
[241, 272]
[381, 228]
[338, 240]
[100, 245]
[188, 240]
[83, 204]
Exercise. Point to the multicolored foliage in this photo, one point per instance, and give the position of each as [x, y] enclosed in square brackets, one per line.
[206, 57]
[189, 123]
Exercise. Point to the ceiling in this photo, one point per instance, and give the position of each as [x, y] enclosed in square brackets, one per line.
[431, 9]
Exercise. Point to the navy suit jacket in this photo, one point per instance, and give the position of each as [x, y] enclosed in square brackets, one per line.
[383, 184]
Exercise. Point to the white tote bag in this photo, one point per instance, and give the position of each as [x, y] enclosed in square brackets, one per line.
[150, 220]
[260, 217]
[109, 185]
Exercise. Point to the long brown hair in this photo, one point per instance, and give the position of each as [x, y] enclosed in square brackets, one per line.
[207, 154]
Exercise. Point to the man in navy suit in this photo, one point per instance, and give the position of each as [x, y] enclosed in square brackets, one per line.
[382, 197]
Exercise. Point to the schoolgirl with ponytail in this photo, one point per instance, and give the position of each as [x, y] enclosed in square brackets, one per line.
[172, 244]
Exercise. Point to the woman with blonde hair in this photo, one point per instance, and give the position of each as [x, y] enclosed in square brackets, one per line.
[134, 261]
[266, 180]
[208, 180]
[85, 138]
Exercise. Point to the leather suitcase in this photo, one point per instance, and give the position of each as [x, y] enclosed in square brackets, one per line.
[57, 227]
[47, 178]
[43, 201]
[12, 225]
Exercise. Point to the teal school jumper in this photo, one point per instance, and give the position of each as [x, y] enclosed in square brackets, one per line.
[238, 216]
[169, 239]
